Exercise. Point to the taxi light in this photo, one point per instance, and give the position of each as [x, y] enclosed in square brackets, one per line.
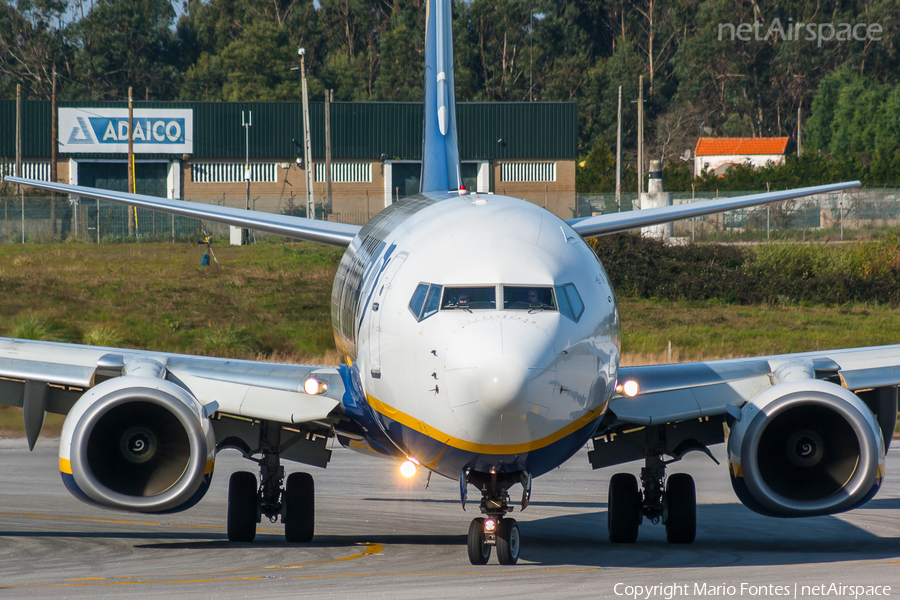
[630, 388]
[408, 469]
[490, 525]
[314, 387]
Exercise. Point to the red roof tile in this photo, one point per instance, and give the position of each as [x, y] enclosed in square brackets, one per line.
[740, 146]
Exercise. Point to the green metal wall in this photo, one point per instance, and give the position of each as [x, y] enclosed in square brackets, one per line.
[360, 130]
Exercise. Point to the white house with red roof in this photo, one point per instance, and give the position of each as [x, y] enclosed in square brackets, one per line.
[717, 155]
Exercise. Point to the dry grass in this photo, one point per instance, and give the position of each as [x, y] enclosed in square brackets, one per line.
[271, 302]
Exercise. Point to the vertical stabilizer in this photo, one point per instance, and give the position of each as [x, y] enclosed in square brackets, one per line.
[440, 152]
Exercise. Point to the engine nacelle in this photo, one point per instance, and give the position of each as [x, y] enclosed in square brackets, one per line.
[805, 448]
[140, 444]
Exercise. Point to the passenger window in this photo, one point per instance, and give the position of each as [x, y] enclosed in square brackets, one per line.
[570, 303]
[469, 298]
[528, 298]
[418, 300]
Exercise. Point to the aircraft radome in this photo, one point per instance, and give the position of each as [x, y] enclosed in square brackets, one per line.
[480, 338]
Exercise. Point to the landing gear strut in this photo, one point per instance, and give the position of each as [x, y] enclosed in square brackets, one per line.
[496, 530]
[672, 501]
[249, 502]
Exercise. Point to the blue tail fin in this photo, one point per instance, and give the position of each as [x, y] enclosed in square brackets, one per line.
[440, 153]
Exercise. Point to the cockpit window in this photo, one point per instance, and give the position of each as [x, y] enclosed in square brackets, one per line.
[425, 300]
[521, 297]
[469, 298]
[570, 303]
[418, 300]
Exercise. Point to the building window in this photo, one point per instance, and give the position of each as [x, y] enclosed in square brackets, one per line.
[30, 170]
[528, 172]
[346, 172]
[231, 172]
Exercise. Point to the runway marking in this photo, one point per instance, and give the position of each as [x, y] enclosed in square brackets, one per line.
[370, 549]
[506, 572]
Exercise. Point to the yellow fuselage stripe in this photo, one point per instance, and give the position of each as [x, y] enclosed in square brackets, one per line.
[440, 436]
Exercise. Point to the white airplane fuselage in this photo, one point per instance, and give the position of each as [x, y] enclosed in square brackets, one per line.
[495, 388]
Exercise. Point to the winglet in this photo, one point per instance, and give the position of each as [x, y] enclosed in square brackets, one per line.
[440, 153]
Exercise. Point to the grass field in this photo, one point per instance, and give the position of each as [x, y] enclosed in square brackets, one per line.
[271, 301]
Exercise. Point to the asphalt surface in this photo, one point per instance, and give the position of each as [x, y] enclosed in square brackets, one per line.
[380, 536]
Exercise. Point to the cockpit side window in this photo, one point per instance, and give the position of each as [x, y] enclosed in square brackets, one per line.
[523, 297]
[469, 298]
[434, 301]
[418, 300]
[425, 300]
[570, 303]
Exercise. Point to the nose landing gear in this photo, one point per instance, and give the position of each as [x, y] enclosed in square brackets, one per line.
[496, 530]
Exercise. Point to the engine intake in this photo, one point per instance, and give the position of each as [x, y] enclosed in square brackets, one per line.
[139, 444]
[805, 448]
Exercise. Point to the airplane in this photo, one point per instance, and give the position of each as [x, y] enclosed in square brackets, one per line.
[480, 339]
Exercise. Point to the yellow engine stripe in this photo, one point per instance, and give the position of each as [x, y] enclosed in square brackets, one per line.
[65, 466]
[440, 436]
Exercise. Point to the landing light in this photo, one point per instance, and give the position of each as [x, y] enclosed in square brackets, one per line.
[314, 387]
[408, 469]
[490, 525]
[629, 388]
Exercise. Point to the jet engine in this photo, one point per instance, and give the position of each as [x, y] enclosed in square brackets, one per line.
[805, 448]
[140, 444]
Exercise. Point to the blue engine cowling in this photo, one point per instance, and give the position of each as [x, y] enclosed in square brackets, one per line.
[139, 444]
[805, 448]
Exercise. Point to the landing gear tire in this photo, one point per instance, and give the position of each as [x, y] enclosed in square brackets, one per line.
[681, 509]
[243, 511]
[508, 542]
[299, 508]
[623, 509]
[479, 552]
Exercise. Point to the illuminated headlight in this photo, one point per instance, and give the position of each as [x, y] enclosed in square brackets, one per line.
[490, 525]
[408, 469]
[314, 387]
[629, 388]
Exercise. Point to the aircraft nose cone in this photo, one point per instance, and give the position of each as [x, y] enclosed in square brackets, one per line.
[501, 383]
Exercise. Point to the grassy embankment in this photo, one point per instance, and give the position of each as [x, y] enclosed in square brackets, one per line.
[271, 301]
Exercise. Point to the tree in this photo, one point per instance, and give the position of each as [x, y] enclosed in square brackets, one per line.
[34, 40]
[126, 43]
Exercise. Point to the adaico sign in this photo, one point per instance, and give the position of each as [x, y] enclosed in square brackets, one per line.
[156, 130]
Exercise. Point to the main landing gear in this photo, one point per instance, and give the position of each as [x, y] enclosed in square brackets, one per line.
[672, 501]
[495, 530]
[248, 501]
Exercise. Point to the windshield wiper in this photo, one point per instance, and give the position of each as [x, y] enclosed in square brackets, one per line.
[541, 307]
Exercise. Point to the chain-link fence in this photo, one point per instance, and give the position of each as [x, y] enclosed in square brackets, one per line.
[849, 215]
[845, 215]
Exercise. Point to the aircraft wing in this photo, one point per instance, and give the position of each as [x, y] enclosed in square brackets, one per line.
[607, 224]
[676, 392]
[690, 402]
[311, 230]
[61, 373]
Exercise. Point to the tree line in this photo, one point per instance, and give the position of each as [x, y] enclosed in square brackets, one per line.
[703, 72]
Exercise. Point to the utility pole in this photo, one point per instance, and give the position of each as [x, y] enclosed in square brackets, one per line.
[799, 129]
[19, 153]
[132, 217]
[54, 134]
[640, 140]
[307, 145]
[329, 96]
[245, 233]
[619, 155]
